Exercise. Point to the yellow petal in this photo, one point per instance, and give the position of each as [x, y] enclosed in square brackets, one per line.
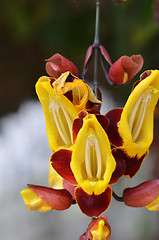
[59, 114]
[33, 202]
[154, 206]
[79, 89]
[55, 180]
[136, 123]
[92, 162]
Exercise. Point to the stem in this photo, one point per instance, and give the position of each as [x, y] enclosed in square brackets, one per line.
[116, 197]
[96, 45]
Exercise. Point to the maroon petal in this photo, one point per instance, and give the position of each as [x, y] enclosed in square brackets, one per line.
[57, 64]
[141, 195]
[120, 166]
[105, 54]
[112, 130]
[103, 120]
[77, 124]
[57, 199]
[93, 205]
[132, 163]
[61, 163]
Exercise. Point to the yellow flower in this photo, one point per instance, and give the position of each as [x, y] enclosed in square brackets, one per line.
[62, 99]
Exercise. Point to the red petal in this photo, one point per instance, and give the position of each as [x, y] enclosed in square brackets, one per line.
[116, 73]
[61, 163]
[129, 65]
[105, 54]
[141, 195]
[132, 66]
[120, 167]
[57, 199]
[112, 130]
[57, 64]
[93, 205]
[69, 187]
[88, 56]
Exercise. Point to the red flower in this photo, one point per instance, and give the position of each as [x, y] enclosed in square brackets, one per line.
[57, 64]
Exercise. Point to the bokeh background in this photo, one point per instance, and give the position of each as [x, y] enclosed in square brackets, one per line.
[30, 32]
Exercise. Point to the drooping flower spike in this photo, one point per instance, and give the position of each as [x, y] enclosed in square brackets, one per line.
[62, 99]
[88, 166]
[131, 128]
[98, 229]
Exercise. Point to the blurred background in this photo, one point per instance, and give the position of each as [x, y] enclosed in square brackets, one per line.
[30, 32]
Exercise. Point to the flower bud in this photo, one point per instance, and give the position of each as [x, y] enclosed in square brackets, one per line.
[125, 68]
[98, 229]
[57, 64]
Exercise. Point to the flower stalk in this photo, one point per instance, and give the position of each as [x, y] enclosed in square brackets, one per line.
[96, 45]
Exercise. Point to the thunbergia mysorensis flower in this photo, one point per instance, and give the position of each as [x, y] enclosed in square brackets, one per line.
[98, 229]
[84, 163]
[131, 128]
[61, 100]
[90, 168]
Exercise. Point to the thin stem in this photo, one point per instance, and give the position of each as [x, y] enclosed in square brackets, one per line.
[116, 197]
[96, 45]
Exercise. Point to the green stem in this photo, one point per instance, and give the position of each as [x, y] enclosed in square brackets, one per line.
[96, 45]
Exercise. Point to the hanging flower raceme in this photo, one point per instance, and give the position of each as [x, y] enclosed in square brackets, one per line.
[98, 229]
[131, 128]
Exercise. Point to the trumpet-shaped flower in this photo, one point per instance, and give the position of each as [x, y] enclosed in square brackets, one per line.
[88, 166]
[131, 128]
[98, 229]
[61, 100]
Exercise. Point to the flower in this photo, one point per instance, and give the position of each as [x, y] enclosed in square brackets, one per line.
[125, 68]
[57, 64]
[88, 165]
[42, 199]
[98, 229]
[62, 99]
[131, 128]
[144, 195]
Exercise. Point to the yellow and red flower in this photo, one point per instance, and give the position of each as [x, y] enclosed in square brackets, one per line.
[131, 128]
[98, 229]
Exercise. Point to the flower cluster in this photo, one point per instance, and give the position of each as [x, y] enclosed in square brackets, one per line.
[92, 151]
